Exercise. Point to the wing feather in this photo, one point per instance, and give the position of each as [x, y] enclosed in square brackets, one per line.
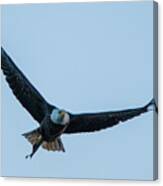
[97, 121]
[25, 92]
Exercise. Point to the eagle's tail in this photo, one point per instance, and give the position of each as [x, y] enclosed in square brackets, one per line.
[34, 137]
[55, 145]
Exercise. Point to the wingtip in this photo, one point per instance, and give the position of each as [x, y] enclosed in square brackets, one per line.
[4, 59]
[152, 106]
[2, 51]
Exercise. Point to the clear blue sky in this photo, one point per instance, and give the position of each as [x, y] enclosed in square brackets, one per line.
[83, 58]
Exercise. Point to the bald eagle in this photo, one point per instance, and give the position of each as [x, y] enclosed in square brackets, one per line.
[53, 121]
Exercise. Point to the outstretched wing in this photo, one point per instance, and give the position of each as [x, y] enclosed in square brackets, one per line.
[97, 121]
[25, 92]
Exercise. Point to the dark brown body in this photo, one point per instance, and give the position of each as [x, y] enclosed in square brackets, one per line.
[49, 130]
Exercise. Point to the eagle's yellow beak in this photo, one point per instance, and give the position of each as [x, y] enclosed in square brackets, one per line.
[62, 114]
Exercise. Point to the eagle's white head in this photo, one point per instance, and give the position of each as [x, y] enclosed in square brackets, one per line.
[60, 117]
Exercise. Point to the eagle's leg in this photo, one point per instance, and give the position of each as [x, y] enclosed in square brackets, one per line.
[35, 148]
[61, 144]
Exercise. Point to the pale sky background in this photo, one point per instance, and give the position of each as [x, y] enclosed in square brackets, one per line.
[83, 58]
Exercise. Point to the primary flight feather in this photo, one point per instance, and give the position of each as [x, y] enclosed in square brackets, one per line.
[53, 121]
